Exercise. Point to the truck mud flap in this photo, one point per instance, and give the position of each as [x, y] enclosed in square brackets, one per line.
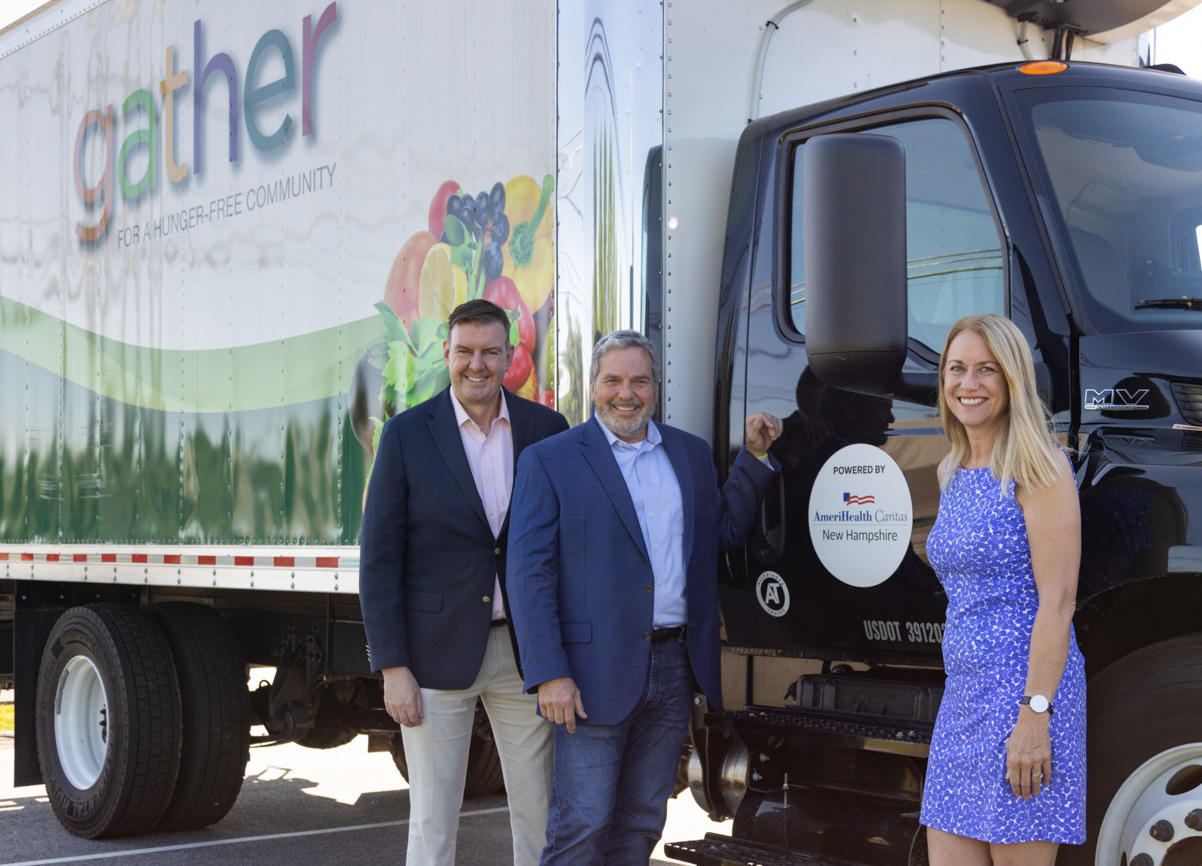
[716, 850]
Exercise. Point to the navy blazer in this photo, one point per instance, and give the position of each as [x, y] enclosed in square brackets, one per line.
[580, 580]
[427, 554]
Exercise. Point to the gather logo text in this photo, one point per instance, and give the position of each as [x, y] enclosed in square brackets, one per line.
[140, 113]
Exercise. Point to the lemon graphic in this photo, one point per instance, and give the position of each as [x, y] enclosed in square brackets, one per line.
[443, 285]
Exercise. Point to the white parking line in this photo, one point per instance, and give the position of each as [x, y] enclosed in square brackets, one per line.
[163, 848]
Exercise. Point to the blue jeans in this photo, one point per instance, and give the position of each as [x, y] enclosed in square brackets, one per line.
[611, 783]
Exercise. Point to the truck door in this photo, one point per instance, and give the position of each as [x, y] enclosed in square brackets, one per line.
[822, 592]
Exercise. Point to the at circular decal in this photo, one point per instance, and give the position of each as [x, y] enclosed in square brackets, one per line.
[861, 515]
[772, 593]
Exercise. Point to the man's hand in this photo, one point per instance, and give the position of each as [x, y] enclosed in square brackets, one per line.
[559, 701]
[761, 430]
[402, 697]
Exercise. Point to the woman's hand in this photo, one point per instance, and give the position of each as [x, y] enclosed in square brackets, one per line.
[1029, 754]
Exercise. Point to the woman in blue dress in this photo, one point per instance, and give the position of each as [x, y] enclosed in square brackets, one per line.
[1005, 782]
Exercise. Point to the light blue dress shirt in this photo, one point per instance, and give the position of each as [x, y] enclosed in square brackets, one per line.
[655, 490]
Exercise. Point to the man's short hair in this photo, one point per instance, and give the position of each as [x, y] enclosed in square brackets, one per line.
[477, 312]
[623, 339]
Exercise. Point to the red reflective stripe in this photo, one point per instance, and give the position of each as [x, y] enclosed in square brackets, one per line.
[167, 559]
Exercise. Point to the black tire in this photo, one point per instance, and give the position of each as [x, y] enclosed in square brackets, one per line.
[1145, 723]
[216, 714]
[106, 677]
[484, 776]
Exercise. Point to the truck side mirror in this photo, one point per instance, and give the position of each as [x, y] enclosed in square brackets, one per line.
[855, 261]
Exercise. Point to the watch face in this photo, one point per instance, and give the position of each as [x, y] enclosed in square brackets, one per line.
[1038, 703]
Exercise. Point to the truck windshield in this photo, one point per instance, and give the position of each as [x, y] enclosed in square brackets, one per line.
[1125, 172]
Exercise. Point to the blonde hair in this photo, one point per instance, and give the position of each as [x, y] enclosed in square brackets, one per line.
[1024, 449]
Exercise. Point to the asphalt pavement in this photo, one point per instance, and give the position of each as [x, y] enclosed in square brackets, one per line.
[297, 806]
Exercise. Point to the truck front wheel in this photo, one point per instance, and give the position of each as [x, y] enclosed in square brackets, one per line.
[1145, 759]
[108, 721]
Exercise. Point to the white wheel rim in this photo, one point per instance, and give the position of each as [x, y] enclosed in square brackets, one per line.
[1151, 794]
[81, 722]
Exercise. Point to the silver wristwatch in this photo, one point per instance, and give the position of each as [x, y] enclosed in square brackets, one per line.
[1037, 703]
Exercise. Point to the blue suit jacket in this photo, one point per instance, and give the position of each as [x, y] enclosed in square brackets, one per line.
[427, 554]
[580, 580]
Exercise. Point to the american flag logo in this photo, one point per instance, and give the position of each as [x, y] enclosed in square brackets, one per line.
[852, 499]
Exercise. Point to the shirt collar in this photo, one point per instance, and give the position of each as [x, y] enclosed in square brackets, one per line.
[462, 417]
[652, 439]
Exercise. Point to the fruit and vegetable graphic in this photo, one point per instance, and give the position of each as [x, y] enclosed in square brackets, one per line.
[498, 244]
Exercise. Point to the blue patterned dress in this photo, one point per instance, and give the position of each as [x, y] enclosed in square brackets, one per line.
[979, 550]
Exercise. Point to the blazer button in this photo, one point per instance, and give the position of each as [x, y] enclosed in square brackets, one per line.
[496, 551]
[649, 588]
[486, 599]
[646, 635]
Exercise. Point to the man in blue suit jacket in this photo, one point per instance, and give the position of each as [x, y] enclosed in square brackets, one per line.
[431, 586]
[612, 570]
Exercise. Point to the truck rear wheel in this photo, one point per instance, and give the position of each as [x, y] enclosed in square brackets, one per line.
[108, 721]
[484, 776]
[1145, 759]
[216, 714]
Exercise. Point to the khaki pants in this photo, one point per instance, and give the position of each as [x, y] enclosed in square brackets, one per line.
[436, 752]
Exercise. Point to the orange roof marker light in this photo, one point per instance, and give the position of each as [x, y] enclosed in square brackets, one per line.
[1043, 67]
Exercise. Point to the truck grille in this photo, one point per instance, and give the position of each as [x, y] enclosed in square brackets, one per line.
[1189, 401]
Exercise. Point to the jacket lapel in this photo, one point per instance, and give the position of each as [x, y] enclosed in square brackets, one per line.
[521, 425]
[684, 477]
[445, 433]
[599, 455]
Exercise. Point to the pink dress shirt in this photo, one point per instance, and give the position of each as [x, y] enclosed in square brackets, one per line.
[490, 456]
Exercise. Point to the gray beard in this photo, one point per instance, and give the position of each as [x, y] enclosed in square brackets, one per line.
[620, 428]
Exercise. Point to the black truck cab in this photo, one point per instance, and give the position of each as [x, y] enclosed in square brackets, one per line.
[1067, 196]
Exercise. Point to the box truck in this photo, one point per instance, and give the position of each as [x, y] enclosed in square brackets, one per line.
[229, 238]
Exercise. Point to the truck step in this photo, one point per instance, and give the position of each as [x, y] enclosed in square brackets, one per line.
[829, 729]
[716, 850]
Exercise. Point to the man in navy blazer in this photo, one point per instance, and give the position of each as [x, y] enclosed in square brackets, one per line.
[612, 570]
[432, 588]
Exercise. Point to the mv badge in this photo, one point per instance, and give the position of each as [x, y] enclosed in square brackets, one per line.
[1117, 399]
[772, 593]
